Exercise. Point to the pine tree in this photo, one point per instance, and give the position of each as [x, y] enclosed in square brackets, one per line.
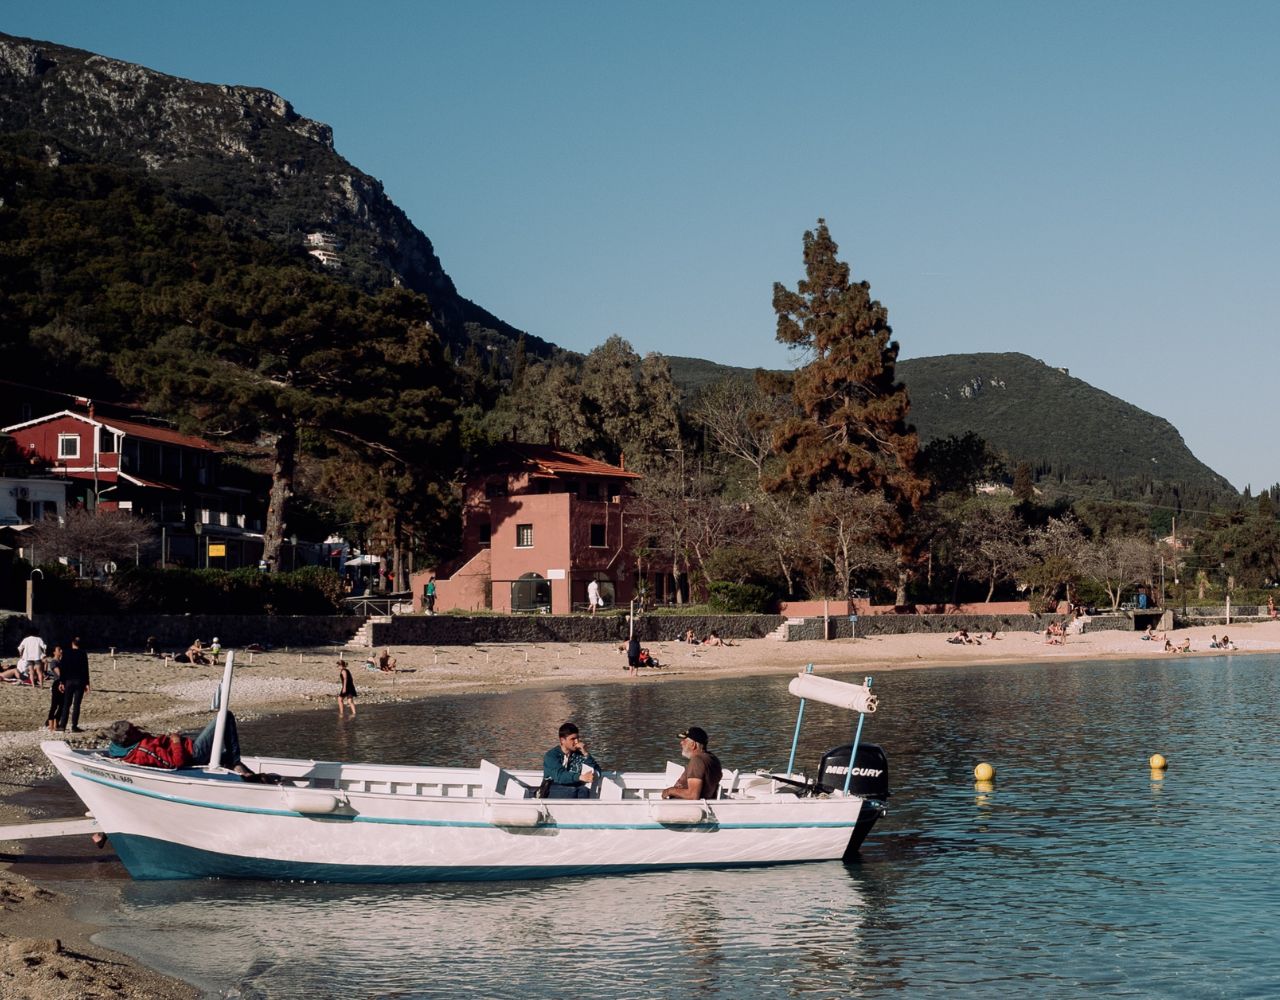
[852, 428]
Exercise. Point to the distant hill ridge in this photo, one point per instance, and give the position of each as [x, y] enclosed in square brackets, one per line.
[1031, 412]
[242, 150]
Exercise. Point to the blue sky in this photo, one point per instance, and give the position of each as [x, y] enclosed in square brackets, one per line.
[1092, 184]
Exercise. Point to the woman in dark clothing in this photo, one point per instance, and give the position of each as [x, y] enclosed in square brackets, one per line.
[346, 689]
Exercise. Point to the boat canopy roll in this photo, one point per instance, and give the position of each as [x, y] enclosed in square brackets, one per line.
[841, 694]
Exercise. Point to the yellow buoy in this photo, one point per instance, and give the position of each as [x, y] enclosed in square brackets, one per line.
[984, 772]
[1157, 762]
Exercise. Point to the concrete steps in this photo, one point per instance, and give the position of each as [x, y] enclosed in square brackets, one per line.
[779, 634]
[362, 636]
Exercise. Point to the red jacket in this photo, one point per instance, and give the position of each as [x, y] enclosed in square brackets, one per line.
[169, 751]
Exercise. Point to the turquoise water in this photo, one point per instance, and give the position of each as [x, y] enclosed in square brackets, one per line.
[1077, 873]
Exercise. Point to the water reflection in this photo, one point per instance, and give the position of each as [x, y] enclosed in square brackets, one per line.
[715, 930]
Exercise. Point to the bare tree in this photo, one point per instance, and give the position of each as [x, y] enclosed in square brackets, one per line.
[91, 540]
[846, 528]
[1117, 561]
[990, 543]
[741, 418]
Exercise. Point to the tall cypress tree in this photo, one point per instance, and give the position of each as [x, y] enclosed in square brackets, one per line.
[852, 427]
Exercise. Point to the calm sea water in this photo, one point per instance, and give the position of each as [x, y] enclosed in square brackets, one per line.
[1078, 873]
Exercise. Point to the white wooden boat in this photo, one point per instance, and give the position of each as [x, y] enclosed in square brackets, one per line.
[339, 822]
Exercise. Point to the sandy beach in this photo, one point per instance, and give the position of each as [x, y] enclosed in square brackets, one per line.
[47, 954]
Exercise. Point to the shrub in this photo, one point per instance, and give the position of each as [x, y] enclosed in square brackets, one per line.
[739, 598]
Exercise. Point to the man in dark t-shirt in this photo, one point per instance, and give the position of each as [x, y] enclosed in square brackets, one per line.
[701, 776]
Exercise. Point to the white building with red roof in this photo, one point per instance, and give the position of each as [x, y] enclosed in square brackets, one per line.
[153, 471]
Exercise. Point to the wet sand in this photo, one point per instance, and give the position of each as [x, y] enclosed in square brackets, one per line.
[47, 954]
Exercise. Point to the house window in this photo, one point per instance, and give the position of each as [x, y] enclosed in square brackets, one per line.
[68, 445]
[524, 536]
[495, 489]
[485, 532]
[597, 536]
[593, 491]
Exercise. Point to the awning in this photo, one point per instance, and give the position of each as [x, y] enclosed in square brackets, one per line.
[364, 561]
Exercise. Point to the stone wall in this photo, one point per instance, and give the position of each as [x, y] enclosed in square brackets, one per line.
[869, 625]
[457, 630]
[174, 633]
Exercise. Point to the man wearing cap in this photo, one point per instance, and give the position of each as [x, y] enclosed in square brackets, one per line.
[569, 769]
[701, 776]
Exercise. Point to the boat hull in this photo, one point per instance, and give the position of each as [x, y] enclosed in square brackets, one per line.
[194, 824]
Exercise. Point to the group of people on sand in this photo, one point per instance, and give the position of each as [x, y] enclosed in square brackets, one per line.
[1055, 634]
[569, 771]
[712, 639]
[67, 673]
[963, 638]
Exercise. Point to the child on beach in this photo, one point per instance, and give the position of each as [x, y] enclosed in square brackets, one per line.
[346, 690]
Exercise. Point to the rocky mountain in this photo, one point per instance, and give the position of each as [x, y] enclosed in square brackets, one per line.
[1032, 412]
[242, 151]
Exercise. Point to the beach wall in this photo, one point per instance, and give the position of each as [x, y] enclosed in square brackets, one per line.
[174, 633]
[460, 630]
[869, 625]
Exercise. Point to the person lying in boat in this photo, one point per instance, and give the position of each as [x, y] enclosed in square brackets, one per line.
[173, 750]
[701, 776]
[568, 769]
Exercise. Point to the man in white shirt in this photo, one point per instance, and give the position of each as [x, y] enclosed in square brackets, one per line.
[31, 654]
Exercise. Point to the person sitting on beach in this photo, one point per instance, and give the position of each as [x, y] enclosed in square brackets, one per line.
[387, 662]
[1149, 634]
[173, 750]
[712, 640]
[1226, 643]
[568, 769]
[1168, 646]
[1057, 635]
[690, 638]
[1213, 642]
[647, 659]
[960, 637]
[1186, 645]
[700, 778]
[196, 655]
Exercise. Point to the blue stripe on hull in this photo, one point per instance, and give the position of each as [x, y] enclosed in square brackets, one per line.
[149, 859]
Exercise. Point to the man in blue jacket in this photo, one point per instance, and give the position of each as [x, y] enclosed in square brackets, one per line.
[569, 767]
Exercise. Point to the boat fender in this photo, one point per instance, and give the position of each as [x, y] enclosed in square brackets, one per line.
[522, 814]
[310, 801]
[678, 812]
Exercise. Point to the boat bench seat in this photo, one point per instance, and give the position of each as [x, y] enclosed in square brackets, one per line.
[495, 780]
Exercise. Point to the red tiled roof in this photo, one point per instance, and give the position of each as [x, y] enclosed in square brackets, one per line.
[152, 433]
[555, 461]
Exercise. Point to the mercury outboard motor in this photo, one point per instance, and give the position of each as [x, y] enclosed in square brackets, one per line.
[870, 780]
[870, 771]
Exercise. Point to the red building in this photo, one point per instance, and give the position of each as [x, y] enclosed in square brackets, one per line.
[155, 472]
[539, 524]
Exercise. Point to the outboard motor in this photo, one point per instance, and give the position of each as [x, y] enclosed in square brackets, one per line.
[870, 772]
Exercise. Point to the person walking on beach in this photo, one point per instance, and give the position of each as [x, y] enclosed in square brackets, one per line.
[75, 682]
[346, 690]
[593, 595]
